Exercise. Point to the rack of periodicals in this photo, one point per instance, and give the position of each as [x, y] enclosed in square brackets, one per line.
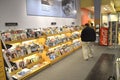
[35, 49]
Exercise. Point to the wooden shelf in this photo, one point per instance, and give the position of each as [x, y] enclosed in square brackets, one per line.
[22, 57]
[76, 31]
[18, 41]
[36, 70]
[22, 40]
[60, 44]
[63, 56]
[75, 38]
[32, 64]
[15, 71]
[77, 48]
[58, 33]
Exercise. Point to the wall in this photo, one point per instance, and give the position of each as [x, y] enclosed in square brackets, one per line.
[110, 17]
[113, 17]
[104, 20]
[15, 11]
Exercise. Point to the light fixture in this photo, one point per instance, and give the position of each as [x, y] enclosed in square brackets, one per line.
[59, 0]
[74, 11]
[105, 9]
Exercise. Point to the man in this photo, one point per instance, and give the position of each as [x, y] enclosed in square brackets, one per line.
[88, 36]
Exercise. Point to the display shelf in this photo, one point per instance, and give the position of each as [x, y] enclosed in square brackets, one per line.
[77, 48]
[22, 40]
[34, 71]
[34, 63]
[75, 38]
[63, 56]
[59, 58]
[76, 31]
[28, 66]
[18, 41]
[59, 44]
[57, 33]
[15, 71]
[22, 57]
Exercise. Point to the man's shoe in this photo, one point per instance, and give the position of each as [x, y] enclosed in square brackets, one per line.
[86, 59]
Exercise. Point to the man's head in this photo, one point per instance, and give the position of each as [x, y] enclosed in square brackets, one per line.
[87, 25]
[91, 24]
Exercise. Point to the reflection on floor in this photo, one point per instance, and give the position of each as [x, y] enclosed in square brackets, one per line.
[103, 69]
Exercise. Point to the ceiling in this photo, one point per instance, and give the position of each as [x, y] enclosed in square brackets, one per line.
[107, 6]
[117, 5]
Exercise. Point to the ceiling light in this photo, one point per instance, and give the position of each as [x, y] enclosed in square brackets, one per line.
[105, 9]
[74, 11]
[60, 0]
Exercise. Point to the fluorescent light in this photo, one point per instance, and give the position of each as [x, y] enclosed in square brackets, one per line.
[60, 0]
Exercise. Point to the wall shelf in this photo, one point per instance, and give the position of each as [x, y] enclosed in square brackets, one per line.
[22, 40]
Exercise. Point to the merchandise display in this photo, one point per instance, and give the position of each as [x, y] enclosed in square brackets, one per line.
[75, 35]
[34, 49]
[62, 42]
[58, 51]
[55, 40]
[12, 35]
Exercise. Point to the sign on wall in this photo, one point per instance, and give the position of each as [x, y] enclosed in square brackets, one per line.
[52, 8]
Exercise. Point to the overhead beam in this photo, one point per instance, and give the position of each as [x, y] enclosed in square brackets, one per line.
[117, 9]
[90, 3]
[86, 3]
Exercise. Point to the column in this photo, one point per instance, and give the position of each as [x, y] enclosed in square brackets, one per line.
[97, 16]
[97, 12]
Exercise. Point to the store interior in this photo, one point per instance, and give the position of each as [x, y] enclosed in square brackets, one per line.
[32, 40]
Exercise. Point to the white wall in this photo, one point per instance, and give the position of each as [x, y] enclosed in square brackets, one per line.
[105, 18]
[111, 17]
[15, 11]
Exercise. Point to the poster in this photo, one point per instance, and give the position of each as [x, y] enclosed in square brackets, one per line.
[52, 8]
[103, 36]
[69, 8]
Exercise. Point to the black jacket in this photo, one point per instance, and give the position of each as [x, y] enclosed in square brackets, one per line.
[88, 34]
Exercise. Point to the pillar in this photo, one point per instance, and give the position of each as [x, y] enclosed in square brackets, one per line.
[97, 12]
